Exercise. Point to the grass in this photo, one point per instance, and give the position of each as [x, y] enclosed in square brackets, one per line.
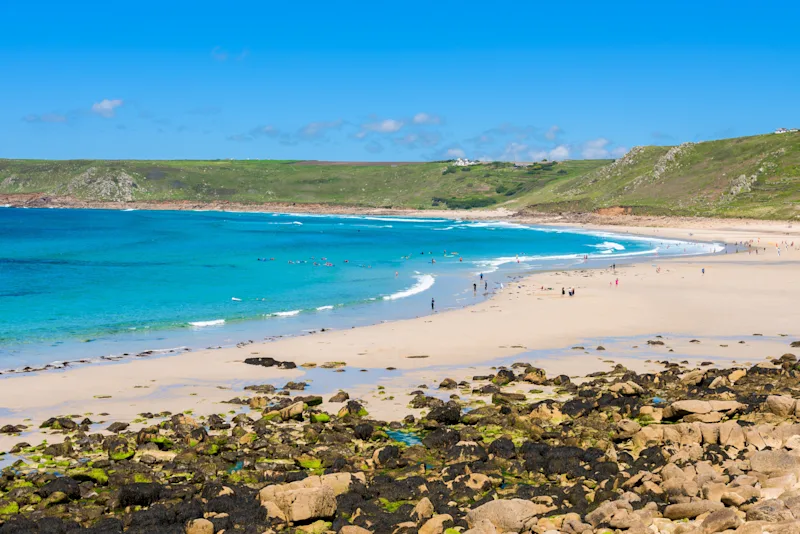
[755, 177]
[410, 186]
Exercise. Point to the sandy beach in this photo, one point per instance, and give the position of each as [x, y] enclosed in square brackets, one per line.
[740, 294]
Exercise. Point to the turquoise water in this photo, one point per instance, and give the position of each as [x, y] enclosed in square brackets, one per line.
[89, 280]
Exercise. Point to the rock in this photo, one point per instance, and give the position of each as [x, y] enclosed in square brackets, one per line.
[449, 414]
[270, 362]
[721, 520]
[507, 398]
[353, 529]
[678, 409]
[340, 397]
[601, 514]
[781, 405]
[301, 504]
[690, 510]
[423, 510]
[736, 375]
[466, 451]
[436, 524]
[295, 386]
[293, 411]
[200, 526]
[117, 427]
[505, 515]
[484, 526]
[626, 388]
[448, 383]
[778, 462]
[626, 428]
[772, 510]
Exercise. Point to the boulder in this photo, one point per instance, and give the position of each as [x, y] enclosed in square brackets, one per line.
[774, 462]
[772, 510]
[423, 510]
[505, 515]
[302, 504]
[781, 405]
[721, 520]
[436, 524]
[690, 510]
[200, 526]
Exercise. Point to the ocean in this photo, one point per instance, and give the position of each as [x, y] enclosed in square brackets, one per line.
[92, 283]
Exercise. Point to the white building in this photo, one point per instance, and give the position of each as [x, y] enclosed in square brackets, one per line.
[464, 162]
[781, 130]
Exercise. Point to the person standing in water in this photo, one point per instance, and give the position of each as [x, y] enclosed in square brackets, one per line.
[474, 288]
[433, 305]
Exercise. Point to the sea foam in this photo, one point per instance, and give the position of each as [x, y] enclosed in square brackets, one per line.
[424, 282]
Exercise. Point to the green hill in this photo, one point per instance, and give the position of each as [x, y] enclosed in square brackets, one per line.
[412, 185]
[757, 177]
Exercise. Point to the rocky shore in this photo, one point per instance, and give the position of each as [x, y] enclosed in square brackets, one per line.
[683, 450]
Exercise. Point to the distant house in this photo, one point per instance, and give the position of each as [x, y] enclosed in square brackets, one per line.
[464, 162]
[781, 130]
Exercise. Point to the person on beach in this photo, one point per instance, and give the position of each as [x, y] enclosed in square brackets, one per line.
[481, 276]
[433, 305]
[704, 270]
[474, 288]
[563, 292]
[617, 282]
[486, 286]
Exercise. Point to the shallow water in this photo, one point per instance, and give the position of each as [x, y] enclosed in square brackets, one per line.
[87, 283]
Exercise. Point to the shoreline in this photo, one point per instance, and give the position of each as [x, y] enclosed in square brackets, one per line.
[520, 318]
[227, 339]
[601, 218]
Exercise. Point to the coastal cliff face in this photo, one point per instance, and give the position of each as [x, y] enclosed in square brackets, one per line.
[754, 177]
[692, 450]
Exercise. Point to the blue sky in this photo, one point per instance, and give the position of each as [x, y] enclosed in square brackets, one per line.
[392, 81]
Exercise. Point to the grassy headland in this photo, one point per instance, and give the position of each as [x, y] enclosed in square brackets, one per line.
[756, 177]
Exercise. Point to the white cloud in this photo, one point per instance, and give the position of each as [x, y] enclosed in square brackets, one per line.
[425, 118]
[552, 133]
[513, 150]
[596, 148]
[619, 151]
[105, 108]
[455, 153]
[318, 129]
[384, 126]
[560, 152]
[537, 155]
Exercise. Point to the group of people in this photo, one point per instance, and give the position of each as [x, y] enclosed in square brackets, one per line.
[571, 292]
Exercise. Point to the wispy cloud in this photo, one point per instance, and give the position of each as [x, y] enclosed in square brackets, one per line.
[384, 126]
[553, 132]
[373, 147]
[596, 148]
[318, 130]
[426, 118]
[619, 151]
[46, 117]
[255, 133]
[106, 108]
[417, 140]
[220, 54]
[455, 153]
